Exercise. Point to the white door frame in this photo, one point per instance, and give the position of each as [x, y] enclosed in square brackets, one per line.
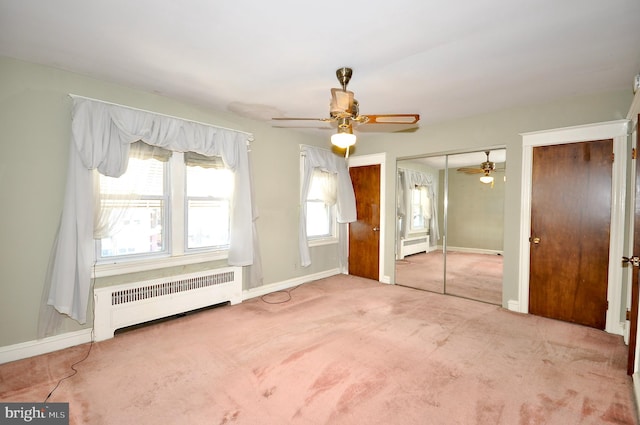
[377, 159]
[616, 130]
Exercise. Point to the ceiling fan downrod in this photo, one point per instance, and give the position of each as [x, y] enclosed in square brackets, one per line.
[344, 76]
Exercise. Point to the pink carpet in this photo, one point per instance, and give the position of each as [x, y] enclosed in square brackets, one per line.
[469, 275]
[344, 350]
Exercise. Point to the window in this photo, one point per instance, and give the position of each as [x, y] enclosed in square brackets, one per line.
[165, 204]
[420, 209]
[208, 202]
[133, 216]
[321, 200]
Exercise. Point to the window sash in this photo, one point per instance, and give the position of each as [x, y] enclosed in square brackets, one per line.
[140, 196]
[320, 219]
[207, 206]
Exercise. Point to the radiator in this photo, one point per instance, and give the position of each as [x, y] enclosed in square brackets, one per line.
[134, 303]
[410, 246]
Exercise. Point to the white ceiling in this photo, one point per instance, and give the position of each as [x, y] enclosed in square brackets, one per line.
[442, 59]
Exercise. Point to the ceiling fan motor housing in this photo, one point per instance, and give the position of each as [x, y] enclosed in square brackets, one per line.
[488, 166]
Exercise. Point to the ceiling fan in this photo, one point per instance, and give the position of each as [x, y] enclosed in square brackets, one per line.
[486, 168]
[344, 111]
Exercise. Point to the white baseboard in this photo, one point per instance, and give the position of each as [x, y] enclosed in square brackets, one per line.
[626, 325]
[27, 349]
[514, 305]
[280, 286]
[473, 250]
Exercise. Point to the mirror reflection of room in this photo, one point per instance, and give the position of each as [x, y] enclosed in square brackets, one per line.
[418, 229]
[450, 216]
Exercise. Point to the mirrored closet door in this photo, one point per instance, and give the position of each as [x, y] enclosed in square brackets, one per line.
[450, 216]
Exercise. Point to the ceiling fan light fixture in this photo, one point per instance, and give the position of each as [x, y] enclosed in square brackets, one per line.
[343, 138]
[486, 179]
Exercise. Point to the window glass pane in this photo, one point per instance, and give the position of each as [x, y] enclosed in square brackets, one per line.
[209, 182]
[318, 219]
[315, 189]
[138, 229]
[209, 192]
[143, 177]
[134, 205]
[417, 217]
[208, 223]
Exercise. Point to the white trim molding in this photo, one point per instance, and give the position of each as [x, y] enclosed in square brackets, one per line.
[286, 284]
[27, 349]
[618, 131]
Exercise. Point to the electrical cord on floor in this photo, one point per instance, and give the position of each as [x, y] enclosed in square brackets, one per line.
[73, 366]
[284, 291]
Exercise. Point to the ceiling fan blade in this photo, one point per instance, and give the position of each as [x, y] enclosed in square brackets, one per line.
[393, 119]
[471, 170]
[305, 127]
[302, 119]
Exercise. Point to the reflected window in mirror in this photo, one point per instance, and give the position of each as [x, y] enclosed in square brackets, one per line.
[420, 209]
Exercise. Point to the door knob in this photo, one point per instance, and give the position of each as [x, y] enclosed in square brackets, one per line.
[635, 260]
[376, 229]
[535, 240]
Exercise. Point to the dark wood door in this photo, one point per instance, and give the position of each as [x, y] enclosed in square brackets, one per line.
[570, 225]
[635, 292]
[364, 234]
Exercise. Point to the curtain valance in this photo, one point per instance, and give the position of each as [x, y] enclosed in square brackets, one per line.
[417, 178]
[102, 134]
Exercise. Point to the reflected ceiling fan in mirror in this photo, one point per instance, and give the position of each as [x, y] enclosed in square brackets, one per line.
[344, 111]
[486, 168]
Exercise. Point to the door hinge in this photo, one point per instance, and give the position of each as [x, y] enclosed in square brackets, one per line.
[628, 315]
[634, 153]
[613, 156]
[634, 260]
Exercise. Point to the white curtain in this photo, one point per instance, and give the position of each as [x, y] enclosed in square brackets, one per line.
[102, 134]
[316, 158]
[407, 180]
[324, 184]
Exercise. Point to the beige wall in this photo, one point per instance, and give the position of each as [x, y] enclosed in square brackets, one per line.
[35, 114]
[475, 211]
